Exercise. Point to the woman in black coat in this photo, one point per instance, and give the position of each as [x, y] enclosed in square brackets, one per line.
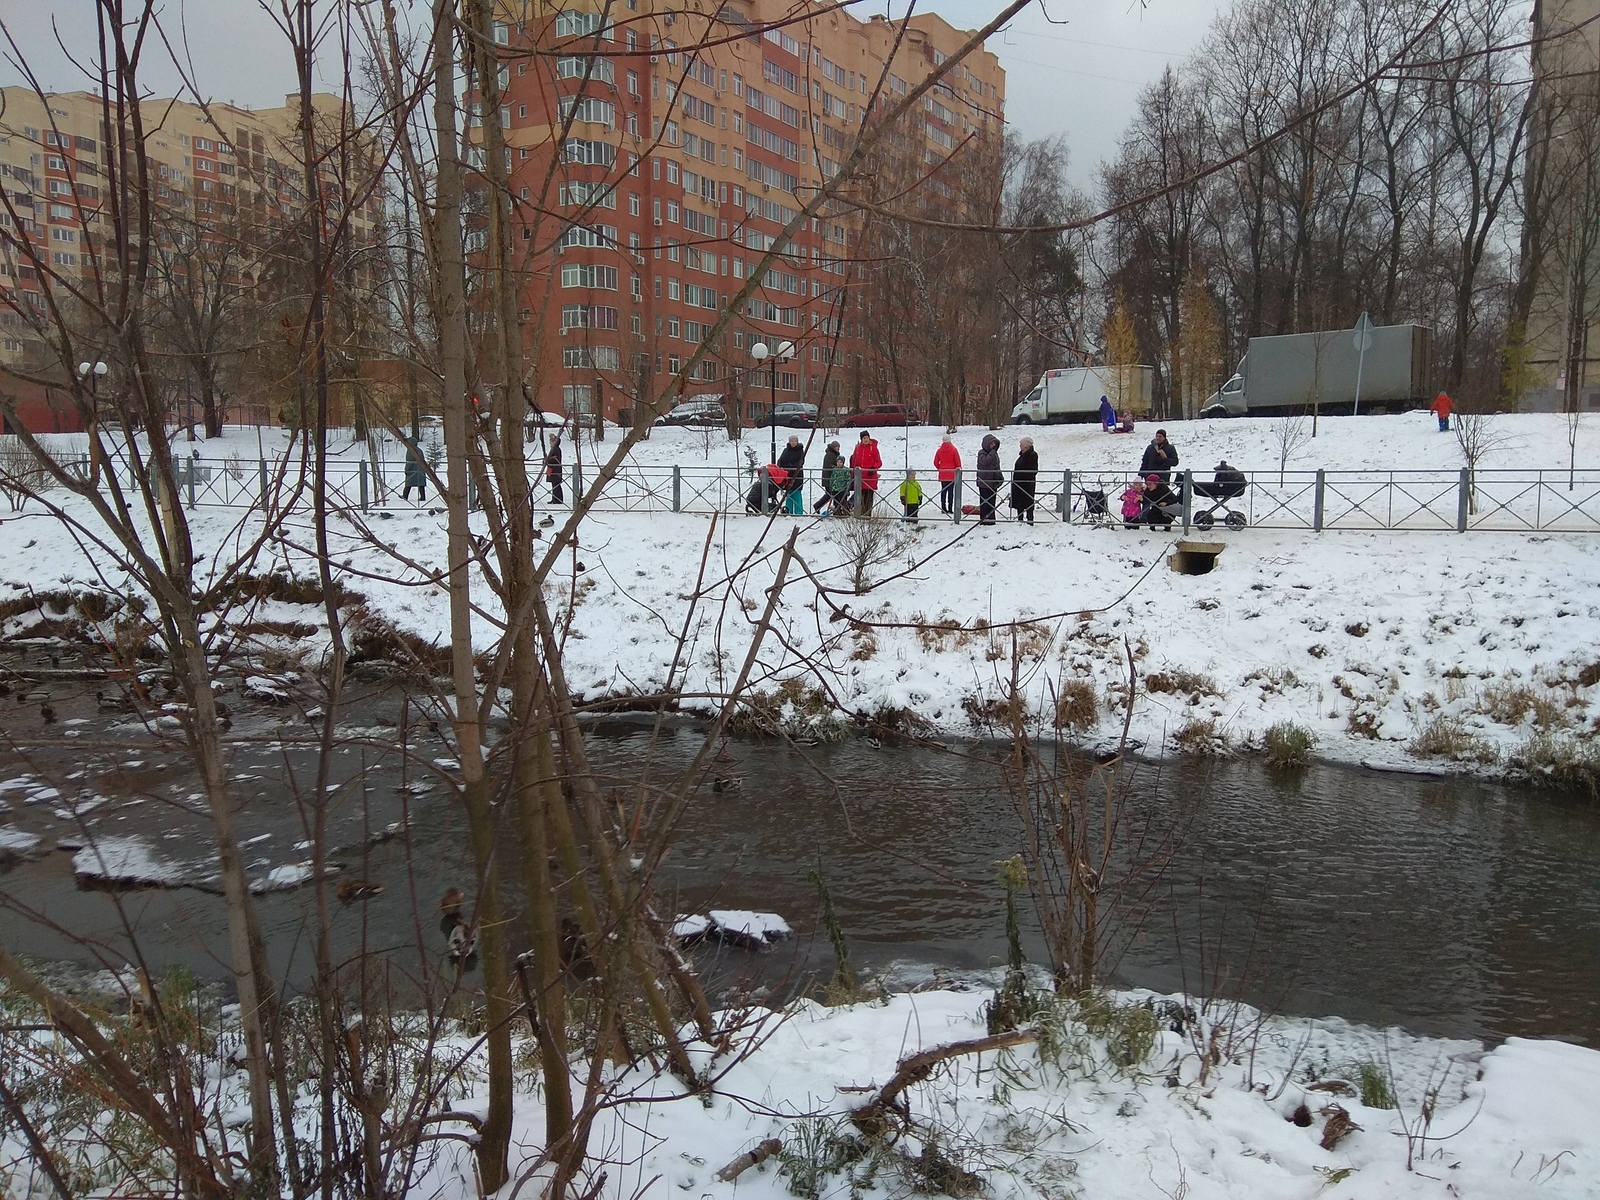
[990, 477]
[1024, 481]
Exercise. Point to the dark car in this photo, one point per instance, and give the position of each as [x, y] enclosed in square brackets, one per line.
[881, 414]
[795, 415]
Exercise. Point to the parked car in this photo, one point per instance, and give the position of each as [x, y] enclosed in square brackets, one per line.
[430, 422]
[550, 420]
[795, 415]
[881, 414]
[698, 411]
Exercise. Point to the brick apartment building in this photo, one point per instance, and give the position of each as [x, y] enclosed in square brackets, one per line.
[222, 176]
[677, 171]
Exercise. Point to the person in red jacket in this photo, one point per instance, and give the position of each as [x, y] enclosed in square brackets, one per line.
[947, 461]
[1442, 408]
[866, 459]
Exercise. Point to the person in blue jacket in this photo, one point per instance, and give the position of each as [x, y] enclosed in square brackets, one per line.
[1108, 415]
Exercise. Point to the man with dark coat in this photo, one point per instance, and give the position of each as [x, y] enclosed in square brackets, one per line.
[793, 461]
[1160, 457]
[552, 469]
[990, 477]
[1024, 480]
[831, 461]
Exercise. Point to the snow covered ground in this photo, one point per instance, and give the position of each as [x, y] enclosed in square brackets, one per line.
[1485, 642]
[1089, 1115]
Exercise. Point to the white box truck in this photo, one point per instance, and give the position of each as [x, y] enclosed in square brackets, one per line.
[1292, 372]
[1073, 394]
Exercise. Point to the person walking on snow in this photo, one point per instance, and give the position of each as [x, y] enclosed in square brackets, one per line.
[866, 459]
[416, 472]
[1160, 457]
[990, 477]
[793, 460]
[552, 470]
[1108, 415]
[910, 497]
[1024, 480]
[947, 461]
[1442, 408]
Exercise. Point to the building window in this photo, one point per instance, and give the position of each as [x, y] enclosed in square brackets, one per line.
[575, 397]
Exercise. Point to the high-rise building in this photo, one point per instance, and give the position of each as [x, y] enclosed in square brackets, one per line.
[225, 190]
[655, 154]
[1561, 242]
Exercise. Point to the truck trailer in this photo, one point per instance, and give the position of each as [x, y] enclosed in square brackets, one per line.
[1073, 394]
[1300, 371]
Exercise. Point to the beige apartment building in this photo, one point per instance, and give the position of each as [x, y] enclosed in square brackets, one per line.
[692, 137]
[221, 176]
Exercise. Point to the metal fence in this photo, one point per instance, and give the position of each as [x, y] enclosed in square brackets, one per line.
[1459, 501]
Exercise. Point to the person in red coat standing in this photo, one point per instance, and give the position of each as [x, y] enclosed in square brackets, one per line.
[1442, 408]
[866, 459]
[947, 461]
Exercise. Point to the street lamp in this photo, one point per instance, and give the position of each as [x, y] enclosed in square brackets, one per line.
[782, 352]
[92, 374]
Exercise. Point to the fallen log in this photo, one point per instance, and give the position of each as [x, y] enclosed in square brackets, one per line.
[749, 1159]
[872, 1118]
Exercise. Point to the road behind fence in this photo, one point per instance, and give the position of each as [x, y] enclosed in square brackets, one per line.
[1460, 501]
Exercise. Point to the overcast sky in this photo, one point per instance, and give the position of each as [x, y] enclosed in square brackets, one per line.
[1076, 72]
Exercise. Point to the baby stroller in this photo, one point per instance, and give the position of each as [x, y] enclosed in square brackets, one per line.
[1228, 484]
[766, 494]
[1096, 504]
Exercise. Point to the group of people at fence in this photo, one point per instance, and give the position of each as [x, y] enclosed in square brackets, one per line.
[850, 485]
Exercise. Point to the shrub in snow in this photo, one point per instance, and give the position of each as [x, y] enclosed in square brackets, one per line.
[1289, 745]
[1448, 737]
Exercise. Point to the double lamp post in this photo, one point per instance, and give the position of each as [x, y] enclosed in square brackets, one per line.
[782, 352]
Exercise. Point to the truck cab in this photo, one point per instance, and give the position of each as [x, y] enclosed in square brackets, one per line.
[1030, 410]
[1228, 400]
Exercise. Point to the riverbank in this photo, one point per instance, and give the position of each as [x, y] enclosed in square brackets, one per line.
[1118, 1096]
[1456, 652]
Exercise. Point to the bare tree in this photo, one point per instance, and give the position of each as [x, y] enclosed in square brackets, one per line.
[1289, 434]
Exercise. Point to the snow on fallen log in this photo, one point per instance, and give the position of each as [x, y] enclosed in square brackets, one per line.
[124, 861]
[732, 926]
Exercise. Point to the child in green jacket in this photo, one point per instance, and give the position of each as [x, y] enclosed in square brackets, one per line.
[910, 496]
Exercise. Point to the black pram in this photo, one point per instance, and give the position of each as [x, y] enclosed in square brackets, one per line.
[1228, 484]
[766, 494]
[1096, 505]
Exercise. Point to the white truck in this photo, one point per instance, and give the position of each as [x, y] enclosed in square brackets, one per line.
[1073, 394]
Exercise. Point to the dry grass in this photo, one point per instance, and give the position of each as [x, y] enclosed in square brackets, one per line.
[1077, 705]
[1289, 745]
[1448, 737]
[1181, 683]
[1569, 763]
[1204, 736]
[1512, 704]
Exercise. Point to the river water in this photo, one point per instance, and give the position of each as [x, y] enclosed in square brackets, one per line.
[1449, 907]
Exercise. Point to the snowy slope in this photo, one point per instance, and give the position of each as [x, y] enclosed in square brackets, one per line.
[1513, 1123]
[1363, 638]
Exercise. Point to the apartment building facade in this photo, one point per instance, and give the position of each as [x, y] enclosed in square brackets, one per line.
[225, 185]
[677, 145]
